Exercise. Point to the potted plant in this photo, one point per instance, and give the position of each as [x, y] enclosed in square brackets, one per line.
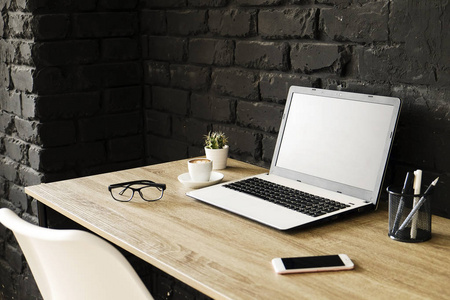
[216, 149]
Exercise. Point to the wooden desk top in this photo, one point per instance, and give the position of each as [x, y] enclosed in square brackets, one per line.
[228, 257]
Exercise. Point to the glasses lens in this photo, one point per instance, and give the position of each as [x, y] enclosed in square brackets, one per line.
[151, 193]
[122, 193]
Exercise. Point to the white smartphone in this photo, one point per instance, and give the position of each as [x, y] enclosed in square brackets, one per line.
[312, 264]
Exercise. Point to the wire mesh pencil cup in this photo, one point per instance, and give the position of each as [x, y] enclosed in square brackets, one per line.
[404, 224]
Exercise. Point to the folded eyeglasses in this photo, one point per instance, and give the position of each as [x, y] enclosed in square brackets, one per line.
[148, 190]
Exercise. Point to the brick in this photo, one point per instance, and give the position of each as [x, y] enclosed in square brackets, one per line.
[67, 158]
[173, 149]
[66, 52]
[65, 106]
[147, 90]
[18, 197]
[11, 102]
[190, 22]
[428, 115]
[109, 126]
[13, 256]
[356, 86]
[8, 168]
[157, 73]
[189, 77]
[90, 154]
[28, 106]
[16, 52]
[287, 23]
[170, 100]
[111, 24]
[4, 75]
[3, 188]
[153, 22]
[123, 99]
[158, 123]
[7, 51]
[34, 206]
[19, 25]
[241, 140]
[126, 148]
[275, 86]
[57, 159]
[6, 122]
[389, 63]
[308, 58]
[233, 22]
[55, 80]
[59, 133]
[213, 108]
[425, 51]
[22, 78]
[7, 288]
[34, 156]
[366, 23]
[124, 124]
[119, 49]
[51, 26]
[15, 149]
[2, 26]
[110, 75]
[26, 130]
[211, 51]
[259, 2]
[24, 52]
[262, 55]
[259, 115]
[118, 4]
[164, 3]
[52, 6]
[408, 22]
[29, 177]
[27, 286]
[338, 3]
[166, 48]
[189, 130]
[236, 83]
[207, 3]
[268, 147]
[143, 43]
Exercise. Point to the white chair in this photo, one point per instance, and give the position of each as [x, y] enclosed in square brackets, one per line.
[73, 264]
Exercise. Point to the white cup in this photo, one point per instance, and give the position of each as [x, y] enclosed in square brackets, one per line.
[200, 169]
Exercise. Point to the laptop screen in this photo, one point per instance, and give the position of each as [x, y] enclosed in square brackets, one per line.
[339, 141]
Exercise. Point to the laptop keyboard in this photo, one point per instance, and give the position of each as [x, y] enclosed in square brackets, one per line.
[308, 204]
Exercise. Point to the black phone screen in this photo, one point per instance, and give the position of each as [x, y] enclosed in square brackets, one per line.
[312, 262]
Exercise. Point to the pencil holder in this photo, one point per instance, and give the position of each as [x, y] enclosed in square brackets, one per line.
[409, 216]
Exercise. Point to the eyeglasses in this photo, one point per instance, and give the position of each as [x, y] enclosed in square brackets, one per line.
[148, 190]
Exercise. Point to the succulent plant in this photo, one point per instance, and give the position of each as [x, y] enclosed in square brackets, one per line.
[215, 140]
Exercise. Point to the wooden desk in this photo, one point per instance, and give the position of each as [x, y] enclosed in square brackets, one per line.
[229, 257]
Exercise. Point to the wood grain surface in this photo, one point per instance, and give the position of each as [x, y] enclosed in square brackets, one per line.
[229, 257]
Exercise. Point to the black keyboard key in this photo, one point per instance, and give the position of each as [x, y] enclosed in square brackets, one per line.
[293, 199]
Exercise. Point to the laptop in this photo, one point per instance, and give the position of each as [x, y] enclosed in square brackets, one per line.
[332, 146]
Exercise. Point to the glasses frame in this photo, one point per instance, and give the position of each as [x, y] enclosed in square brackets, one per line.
[128, 185]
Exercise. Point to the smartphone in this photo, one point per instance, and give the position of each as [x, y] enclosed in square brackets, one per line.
[312, 264]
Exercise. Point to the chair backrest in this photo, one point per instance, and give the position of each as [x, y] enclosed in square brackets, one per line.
[73, 264]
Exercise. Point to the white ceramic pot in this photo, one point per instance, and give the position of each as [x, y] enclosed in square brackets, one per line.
[218, 157]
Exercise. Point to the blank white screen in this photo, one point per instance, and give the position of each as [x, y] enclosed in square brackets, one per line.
[338, 140]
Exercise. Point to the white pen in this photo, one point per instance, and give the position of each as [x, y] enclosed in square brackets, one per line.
[419, 204]
[417, 183]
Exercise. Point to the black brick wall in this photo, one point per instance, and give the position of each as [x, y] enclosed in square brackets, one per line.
[101, 85]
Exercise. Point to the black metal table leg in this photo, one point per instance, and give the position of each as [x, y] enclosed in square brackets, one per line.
[42, 214]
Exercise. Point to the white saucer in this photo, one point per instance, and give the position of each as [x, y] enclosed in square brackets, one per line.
[186, 180]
